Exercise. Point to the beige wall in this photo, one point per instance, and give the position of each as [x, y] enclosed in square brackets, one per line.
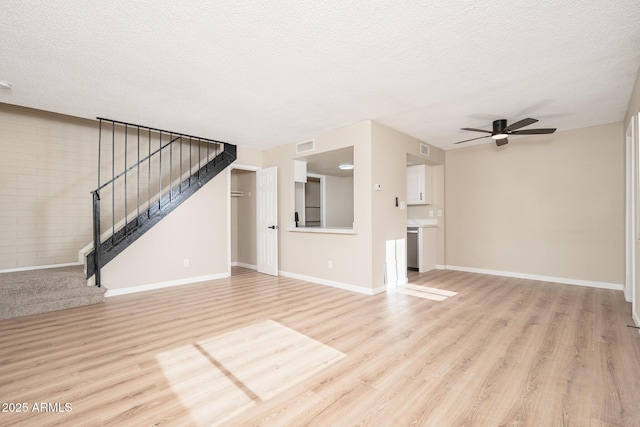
[358, 260]
[308, 254]
[197, 230]
[389, 161]
[249, 157]
[48, 166]
[550, 206]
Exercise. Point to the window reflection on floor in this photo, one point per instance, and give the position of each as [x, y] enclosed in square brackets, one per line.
[425, 292]
[218, 378]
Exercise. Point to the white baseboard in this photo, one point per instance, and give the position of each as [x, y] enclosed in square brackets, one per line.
[242, 264]
[152, 286]
[636, 319]
[441, 267]
[39, 267]
[379, 290]
[563, 280]
[334, 284]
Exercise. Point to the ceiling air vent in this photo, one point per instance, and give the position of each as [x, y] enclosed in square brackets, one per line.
[424, 150]
[302, 147]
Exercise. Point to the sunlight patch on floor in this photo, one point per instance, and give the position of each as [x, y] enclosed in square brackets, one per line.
[218, 378]
[425, 292]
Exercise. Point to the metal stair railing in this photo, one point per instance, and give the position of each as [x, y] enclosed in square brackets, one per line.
[160, 169]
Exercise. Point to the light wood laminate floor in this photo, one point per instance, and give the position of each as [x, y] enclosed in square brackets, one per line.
[259, 350]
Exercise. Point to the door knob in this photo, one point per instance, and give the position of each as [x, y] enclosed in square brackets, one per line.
[273, 227]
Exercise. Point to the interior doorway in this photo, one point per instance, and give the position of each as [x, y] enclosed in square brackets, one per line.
[243, 247]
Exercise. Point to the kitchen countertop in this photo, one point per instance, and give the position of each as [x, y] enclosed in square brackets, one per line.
[421, 223]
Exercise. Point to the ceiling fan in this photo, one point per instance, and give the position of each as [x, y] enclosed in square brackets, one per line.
[501, 131]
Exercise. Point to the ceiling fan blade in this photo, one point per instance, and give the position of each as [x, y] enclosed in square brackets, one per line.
[522, 123]
[501, 142]
[540, 131]
[476, 130]
[472, 139]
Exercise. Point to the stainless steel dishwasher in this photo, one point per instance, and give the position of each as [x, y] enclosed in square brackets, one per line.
[412, 248]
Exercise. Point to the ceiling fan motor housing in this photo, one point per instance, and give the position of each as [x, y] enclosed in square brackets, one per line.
[499, 126]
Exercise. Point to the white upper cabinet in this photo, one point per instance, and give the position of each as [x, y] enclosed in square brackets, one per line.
[299, 171]
[418, 185]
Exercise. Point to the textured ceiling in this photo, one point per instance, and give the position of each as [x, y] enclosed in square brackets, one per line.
[265, 73]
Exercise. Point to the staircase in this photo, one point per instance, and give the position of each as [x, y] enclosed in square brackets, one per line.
[25, 293]
[154, 181]
[157, 171]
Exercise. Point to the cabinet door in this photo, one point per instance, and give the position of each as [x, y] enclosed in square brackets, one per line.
[415, 185]
[419, 185]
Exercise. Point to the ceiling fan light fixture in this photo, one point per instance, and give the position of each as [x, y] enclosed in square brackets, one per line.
[499, 136]
[345, 166]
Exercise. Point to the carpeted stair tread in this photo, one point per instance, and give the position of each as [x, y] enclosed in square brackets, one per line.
[25, 293]
[41, 280]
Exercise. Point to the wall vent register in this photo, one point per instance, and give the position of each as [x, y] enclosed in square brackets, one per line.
[303, 147]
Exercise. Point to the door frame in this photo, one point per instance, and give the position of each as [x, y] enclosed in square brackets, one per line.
[229, 169]
[631, 204]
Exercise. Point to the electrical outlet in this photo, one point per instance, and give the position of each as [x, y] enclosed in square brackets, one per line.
[431, 213]
[185, 262]
[330, 264]
[439, 212]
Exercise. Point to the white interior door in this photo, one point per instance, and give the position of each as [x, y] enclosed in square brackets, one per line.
[267, 217]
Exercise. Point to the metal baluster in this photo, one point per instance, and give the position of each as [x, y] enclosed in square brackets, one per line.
[190, 160]
[160, 175]
[180, 180]
[99, 149]
[113, 184]
[126, 210]
[138, 169]
[149, 179]
[170, 167]
[96, 236]
[96, 213]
